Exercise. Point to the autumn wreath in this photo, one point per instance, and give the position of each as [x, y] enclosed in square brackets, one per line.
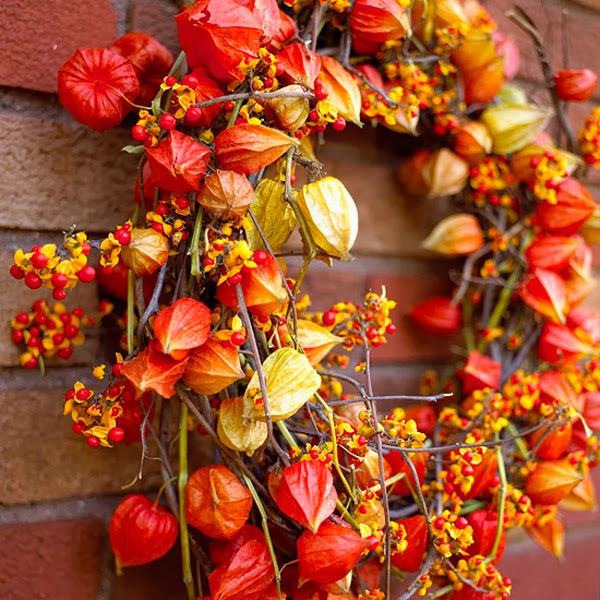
[320, 490]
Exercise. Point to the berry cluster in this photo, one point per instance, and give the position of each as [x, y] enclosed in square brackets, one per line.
[45, 266]
[48, 331]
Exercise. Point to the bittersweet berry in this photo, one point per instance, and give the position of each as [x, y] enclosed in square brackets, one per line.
[237, 338]
[93, 441]
[139, 133]
[59, 280]
[260, 257]
[79, 427]
[167, 121]
[17, 272]
[122, 236]
[59, 294]
[33, 280]
[328, 318]
[116, 435]
[87, 274]
[339, 124]
[39, 260]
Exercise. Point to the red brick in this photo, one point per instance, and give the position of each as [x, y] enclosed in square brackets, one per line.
[58, 559]
[38, 38]
[328, 286]
[410, 343]
[537, 575]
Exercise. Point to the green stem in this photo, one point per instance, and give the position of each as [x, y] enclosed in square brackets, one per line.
[521, 447]
[501, 305]
[234, 113]
[441, 592]
[194, 244]
[186, 563]
[287, 436]
[501, 504]
[161, 489]
[265, 528]
[130, 309]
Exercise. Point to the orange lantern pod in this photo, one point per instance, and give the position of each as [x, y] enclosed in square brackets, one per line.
[552, 480]
[226, 194]
[544, 291]
[378, 21]
[217, 504]
[574, 85]
[552, 252]
[300, 65]
[552, 441]
[558, 344]
[480, 372]
[437, 315]
[398, 465]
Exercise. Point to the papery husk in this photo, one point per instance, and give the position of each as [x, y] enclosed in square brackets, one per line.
[238, 432]
[290, 113]
[511, 93]
[212, 367]
[473, 142]
[481, 85]
[550, 536]
[247, 148]
[316, 341]
[513, 126]
[274, 216]
[457, 235]
[477, 50]
[290, 381]
[552, 480]
[344, 91]
[582, 497]
[226, 194]
[331, 215]
[590, 230]
[445, 173]
[147, 251]
[378, 21]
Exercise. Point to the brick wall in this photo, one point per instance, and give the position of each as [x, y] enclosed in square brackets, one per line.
[56, 494]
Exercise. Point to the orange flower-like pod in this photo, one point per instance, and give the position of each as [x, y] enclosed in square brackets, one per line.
[574, 85]
[150, 59]
[329, 554]
[552, 480]
[290, 113]
[437, 315]
[482, 85]
[378, 20]
[473, 142]
[140, 531]
[550, 536]
[306, 493]
[97, 87]
[416, 535]
[248, 574]
[545, 293]
[556, 386]
[178, 163]
[226, 194]
[582, 497]
[247, 148]
[480, 372]
[457, 235]
[344, 93]
[212, 367]
[315, 340]
[217, 504]
[551, 442]
[300, 64]
[573, 207]
[558, 344]
[153, 370]
[551, 252]
[398, 465]
[485, 525]
[147, 251]
[182, 326]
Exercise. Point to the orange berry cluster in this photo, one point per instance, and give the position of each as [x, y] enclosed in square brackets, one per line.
[48, 331]
[45, 266]
[589, 139]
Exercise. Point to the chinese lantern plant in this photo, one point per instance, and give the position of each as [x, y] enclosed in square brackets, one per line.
[318, 489]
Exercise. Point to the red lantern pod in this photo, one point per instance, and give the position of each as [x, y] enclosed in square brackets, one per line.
[437, 315]
[575, 85]
[97, 87]
[485, 525]
[141, 531]
[416, 536]
[480, 372]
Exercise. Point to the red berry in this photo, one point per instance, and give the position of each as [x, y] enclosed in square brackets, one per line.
[122, 236]
[237, 338]
[71, 331]
[59, 280]
[313, 115]
[158, 227]
[162, 209]
[78, 312]
[17, 336]
[32, 363]
[86, 248]
[33, 280]
[65, 353]
[17, 272]
[328, 318]
[116, 435]
[390, 329]
[58, 338]
[167, 121]
[79, 427]
[22, 318]
[461, 522]
[116, 369]
[371, 333]
[170, 81]
[260, 257]
[193, 115]
[35, 331]
[235, 279]
[182, 203]
[87, 274]
[39, 260]
[321, 92]
[190, 81]
[339, 124]
[83, 394]
[92, 441]
[139, 133]
[59, 294]
[229, 105]
[70, 394]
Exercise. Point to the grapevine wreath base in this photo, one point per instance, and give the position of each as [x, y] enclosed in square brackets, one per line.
[320, 488]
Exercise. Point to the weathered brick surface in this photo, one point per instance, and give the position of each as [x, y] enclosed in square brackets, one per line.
[156, 18]
[43, 460]
[16, 297]
[536, 575]
[58, 174]
[546, 14]
[409, 343]
[36, 40]
[58, 559]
